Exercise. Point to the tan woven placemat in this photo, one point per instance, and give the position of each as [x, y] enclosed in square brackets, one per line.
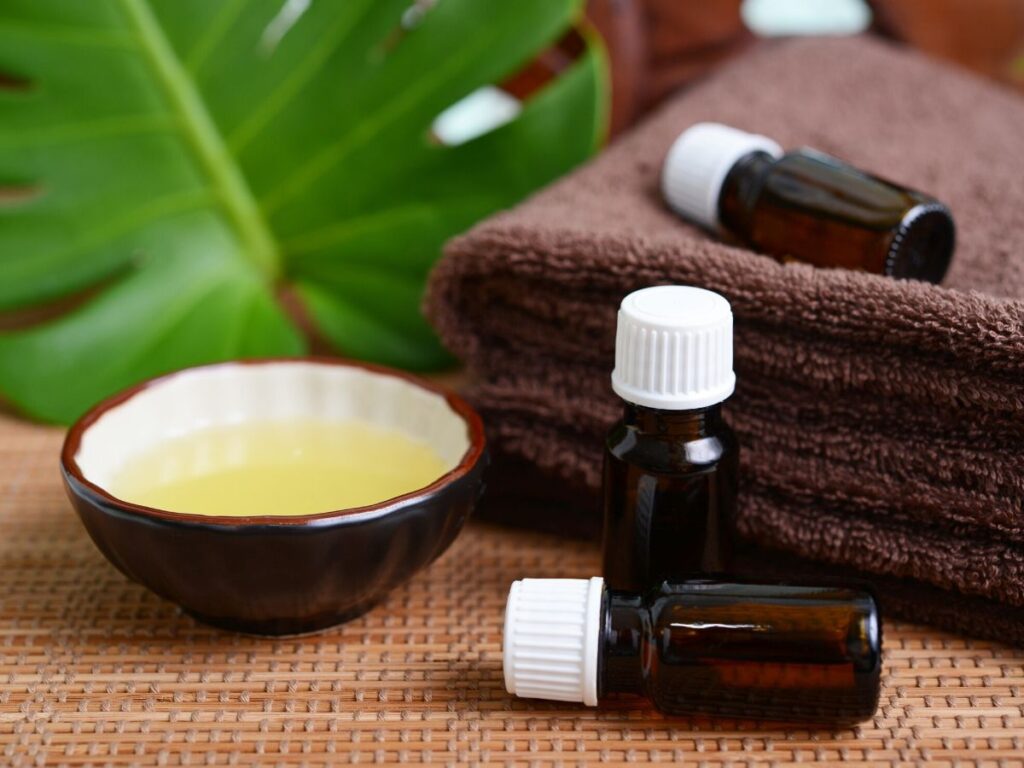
[95, 670]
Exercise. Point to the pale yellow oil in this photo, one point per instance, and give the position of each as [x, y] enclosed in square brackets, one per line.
[288, 468]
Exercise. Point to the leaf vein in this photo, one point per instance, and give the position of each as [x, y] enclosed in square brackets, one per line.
[226, 15]
[206, 141]
[136, 218]
[283, 93]
[169, 317]
[94, 38]
[372, 125]
[341, 230]
[120, 126]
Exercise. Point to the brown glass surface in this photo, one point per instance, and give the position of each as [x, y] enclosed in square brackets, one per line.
[762, 651]
[811, 207]
[669, 496]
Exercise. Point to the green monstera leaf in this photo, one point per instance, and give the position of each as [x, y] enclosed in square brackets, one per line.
[169, 167]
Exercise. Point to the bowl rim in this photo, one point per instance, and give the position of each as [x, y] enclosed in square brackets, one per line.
[472, 456]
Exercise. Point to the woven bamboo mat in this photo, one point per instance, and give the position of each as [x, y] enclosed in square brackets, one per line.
[95, 670]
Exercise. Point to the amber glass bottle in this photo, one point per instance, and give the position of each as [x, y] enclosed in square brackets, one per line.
[775, 652]
[669, 496]
[806, 205]
[671, 463]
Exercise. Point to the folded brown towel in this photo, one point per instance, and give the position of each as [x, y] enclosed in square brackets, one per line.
[882, 422]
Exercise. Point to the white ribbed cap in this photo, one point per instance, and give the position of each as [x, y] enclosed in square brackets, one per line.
[552, 629]
[698, 162]
[673, 348]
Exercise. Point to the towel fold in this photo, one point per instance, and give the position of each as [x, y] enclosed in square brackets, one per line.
[881, 422]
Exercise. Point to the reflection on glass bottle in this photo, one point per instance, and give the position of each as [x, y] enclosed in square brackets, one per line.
[806, 205]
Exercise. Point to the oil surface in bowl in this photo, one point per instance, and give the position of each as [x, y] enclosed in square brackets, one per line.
[271, 468]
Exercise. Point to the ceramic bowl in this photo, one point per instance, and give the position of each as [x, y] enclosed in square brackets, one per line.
[274, 575]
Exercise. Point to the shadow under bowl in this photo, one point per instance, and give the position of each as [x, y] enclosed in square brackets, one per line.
[284, 574]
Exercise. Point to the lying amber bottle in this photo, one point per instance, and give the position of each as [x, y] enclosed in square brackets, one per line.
[775, 652]
[671, 463]
[806, 205]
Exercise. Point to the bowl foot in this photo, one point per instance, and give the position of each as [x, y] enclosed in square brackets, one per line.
[306, 625]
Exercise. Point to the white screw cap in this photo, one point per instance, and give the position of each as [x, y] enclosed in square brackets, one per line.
[698, 162]
[673, 348]
[551, 643]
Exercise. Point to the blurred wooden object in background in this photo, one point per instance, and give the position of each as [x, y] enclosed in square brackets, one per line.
[657, 46]
[984, 35]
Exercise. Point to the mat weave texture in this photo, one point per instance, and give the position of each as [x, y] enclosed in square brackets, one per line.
[94, 670]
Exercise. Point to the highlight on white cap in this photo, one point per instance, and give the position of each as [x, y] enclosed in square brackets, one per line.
[551, 639]
[673, 348]
[698, 162]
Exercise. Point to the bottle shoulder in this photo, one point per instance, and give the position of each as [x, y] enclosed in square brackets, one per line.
[671, 452]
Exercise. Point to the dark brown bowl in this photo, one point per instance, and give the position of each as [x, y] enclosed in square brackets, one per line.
[274, 575]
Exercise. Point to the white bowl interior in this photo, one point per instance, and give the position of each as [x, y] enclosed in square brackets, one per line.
[267, 392]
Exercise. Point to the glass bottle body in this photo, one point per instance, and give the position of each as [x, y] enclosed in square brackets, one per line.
[773, 652]
[814, 208]
[670, 482]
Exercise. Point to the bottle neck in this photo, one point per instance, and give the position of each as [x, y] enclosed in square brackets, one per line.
[740, 191]
[626, 624]
[691, 425]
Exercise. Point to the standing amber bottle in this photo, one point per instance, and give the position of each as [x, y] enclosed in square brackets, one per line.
[671, 463]
[806, 205]
[775, 652]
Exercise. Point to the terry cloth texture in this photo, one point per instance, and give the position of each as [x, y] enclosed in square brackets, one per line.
[881, 422]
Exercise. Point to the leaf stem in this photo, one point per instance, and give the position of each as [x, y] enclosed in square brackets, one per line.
[206, 141]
